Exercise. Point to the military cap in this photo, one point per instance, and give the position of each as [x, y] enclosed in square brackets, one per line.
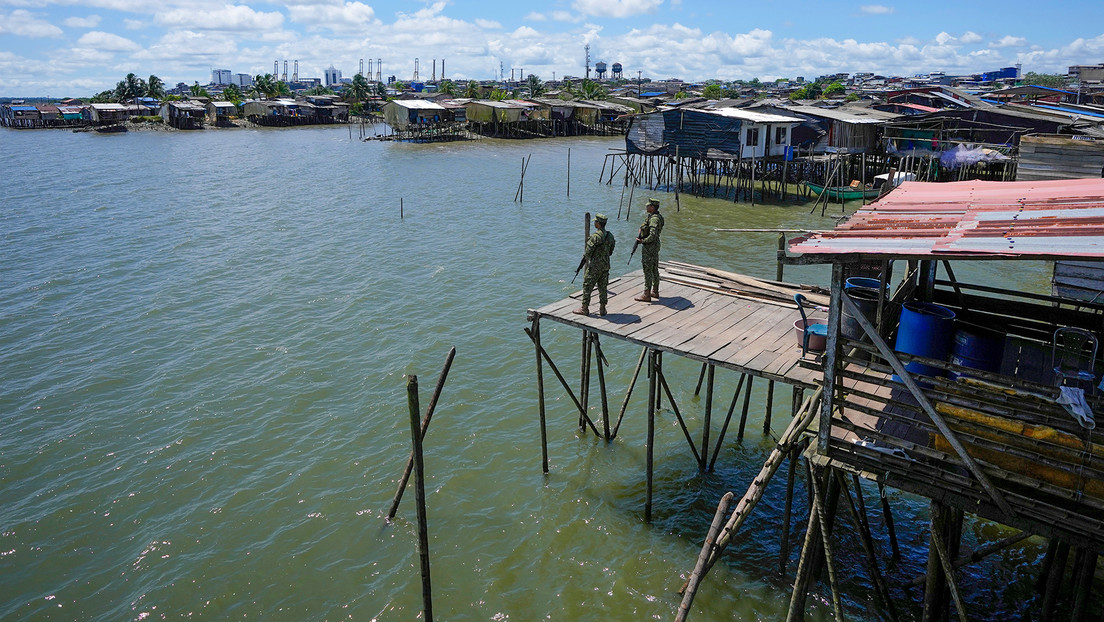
[654, 202]
[600, 218]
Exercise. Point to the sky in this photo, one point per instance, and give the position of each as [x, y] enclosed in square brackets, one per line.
[75, 48]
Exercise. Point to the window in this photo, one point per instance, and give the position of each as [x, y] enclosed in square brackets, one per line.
[752, 137]
[780, 135]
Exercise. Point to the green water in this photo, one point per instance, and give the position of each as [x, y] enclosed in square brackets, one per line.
[203, 343]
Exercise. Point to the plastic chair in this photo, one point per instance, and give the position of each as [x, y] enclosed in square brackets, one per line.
[820, 330]
[1074, 356]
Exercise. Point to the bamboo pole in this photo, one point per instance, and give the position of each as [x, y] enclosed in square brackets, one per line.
[758, 485]
[419, 493]
[858, 515]
[569, 171]
[628, 392]
[787, 511]
[796, 611]
[744, 411]
[559, 376]
[424, 428]
[653, 389]
[703, 557]
[728, 419]
[708, 418]
[602, 388]
[948, 571]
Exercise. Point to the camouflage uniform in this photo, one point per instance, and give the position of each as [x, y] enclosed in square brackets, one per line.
[599, 248]
[649, 251]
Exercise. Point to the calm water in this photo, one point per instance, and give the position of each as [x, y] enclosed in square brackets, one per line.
[203, 342]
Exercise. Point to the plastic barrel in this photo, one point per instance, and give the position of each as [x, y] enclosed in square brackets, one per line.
[925, 329]
[863, 282]
[867, 302]
[977, 348]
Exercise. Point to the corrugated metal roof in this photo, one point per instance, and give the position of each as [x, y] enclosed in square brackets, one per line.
[417, 104]
[848, 115]
[754, 117]
[973, 219]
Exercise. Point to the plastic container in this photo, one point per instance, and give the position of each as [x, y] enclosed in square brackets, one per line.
[977, 348]
[818, 337]
[863, 282]
[925, 329]
[867, 301]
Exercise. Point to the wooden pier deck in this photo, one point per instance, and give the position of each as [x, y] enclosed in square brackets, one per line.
[746, 333]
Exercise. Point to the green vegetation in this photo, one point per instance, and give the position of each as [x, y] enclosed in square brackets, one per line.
[473, 90]
[833, 90]
[447, 87]
[232, 94]
[712, 91]
[537, 87]
[593, 90]
[1054, 81]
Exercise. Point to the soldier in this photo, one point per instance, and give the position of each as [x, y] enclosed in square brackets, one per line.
[648, 237]
[599, 248]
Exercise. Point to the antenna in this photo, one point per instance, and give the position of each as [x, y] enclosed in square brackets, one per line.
[587, 48]
[501, 70]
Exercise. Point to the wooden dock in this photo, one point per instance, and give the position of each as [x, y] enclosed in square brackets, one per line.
[733, 329]
[720, 319]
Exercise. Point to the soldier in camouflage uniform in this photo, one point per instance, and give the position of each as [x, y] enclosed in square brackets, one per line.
[648, 237]
[599, 248]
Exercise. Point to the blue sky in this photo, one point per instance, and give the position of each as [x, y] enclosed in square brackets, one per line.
[79, 47]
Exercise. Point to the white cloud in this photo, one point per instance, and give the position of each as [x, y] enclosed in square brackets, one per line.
[23, 24]
[536, 17]
[488, 24]
[616, 8]
[1009, 41]
[875, 9]
[83, 22]
[347, 16]
[235, 18]
[134, 24]
[971, 37]
[107, 42]
[944, 38]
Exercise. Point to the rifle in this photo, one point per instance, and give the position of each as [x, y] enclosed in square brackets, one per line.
[637, 243]
[582, 262]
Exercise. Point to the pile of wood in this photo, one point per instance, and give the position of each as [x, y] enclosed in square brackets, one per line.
[739, 285]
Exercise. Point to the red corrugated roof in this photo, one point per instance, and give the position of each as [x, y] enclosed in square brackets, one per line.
[1054, 218]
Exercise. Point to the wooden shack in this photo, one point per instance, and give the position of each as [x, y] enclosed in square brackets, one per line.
[973, 395]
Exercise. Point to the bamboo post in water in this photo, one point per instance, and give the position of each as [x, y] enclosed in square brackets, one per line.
[703, 557]
[419, 490]
[569, 171]
[540, 395]
[400, 208]
[653, 390]
[424, 428]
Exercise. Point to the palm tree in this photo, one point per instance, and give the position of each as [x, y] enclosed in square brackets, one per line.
[473, 90]
[265, 86]
[499, 95]
[447, 87]
[155, 87]
[536, 86]
[568, 90]
[198, 91]
[232, 93]
[593, 90]
[357, 90]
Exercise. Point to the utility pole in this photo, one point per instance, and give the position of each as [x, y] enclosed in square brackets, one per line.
[638, 83]
[587, 48]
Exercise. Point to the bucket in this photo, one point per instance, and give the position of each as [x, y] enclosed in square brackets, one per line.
[926, 329]
[977, 348]
[863, 282]
[817, 339]
[867, 301]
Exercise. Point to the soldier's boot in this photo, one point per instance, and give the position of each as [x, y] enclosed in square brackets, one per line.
[581, 311]
[655, 292]
[645, 297]
[602, 310]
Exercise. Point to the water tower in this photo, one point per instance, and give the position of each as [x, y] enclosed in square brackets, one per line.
[617, 71]
[600, 69]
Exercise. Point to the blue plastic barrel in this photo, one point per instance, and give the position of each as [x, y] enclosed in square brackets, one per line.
[862, 282]
[926, 329]
[977, 348]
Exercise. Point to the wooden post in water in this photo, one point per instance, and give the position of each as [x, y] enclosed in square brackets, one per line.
[400, 208]
[708, 418]
[653, 391]
[584, 363]
[569, 171]
[540, 394]
[424, 428]
[419, 491]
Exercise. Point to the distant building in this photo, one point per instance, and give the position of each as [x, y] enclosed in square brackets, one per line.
[242, 80]
[332, 76]
[220, 77]
[1087, 73]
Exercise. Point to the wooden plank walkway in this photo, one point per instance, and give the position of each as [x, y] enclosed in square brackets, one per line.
[745, 334]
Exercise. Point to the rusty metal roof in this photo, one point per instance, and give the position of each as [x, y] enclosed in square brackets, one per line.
[972, 220]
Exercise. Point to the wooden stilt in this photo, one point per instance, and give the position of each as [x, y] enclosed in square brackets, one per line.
[628, 393]
[708, 418]
[540, 394]
[653, 389]
[770, 406]
[1055, 581]
[584, 380]
[602, 387]
[858, 515]
[935, 603]
[563, 382]
[701, 377]
[887, 517]
[728, 418]
[1084, 572]
[424, 428]
[419, 493]
[826, 541]
[744, 413]
[948, 572]
[796, 612]
[787, 511]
